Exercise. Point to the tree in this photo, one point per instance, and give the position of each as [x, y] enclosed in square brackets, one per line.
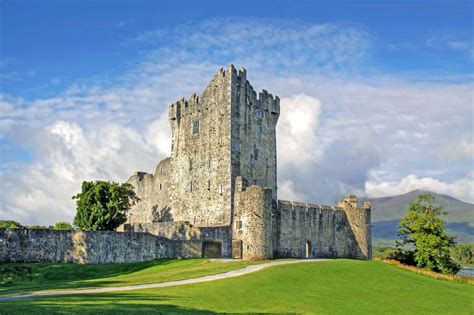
[423, 233]
[10, 224]
[63, 226]
[103, 206]
[463, 254]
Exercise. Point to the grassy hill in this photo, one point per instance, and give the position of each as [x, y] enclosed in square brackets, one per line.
[388, 211]
[338, 287]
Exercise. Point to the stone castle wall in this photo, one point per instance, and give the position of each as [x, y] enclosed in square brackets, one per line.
[253, 222]
[327, 229]
[186, 231]
[90, 247]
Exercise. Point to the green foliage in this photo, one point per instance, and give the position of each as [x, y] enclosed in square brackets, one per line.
[63, 226]
[463, 254]
[10, 224]
[423, 234]
[36, 227]
[103, 206]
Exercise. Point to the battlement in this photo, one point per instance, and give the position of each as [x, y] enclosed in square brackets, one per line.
[222, 80]
[307, 206]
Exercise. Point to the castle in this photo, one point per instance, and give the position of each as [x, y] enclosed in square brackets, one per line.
[220, 184]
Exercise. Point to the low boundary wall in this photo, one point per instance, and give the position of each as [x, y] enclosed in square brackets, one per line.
[90, 247]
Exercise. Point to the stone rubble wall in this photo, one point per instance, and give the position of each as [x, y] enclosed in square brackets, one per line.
[186, 231]
[327, 229]
[90, 247]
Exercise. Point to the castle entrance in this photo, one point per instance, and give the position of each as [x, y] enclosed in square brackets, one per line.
[211, 249]
[237, 249]
[308, 249]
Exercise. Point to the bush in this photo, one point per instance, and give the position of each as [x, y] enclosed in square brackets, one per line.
[63, 226]
[10, 224]
[463, 254]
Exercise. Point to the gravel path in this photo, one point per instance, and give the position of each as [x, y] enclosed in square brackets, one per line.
[225, 275]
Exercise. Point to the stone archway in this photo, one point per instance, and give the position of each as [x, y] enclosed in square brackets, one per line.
[308, 249]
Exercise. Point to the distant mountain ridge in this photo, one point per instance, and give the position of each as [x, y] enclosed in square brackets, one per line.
[388, 211]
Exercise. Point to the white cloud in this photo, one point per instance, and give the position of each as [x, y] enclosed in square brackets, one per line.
[461, 188]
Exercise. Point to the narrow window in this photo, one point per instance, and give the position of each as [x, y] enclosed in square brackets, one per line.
[196, 127]
[221, 141]
[190, 186]
[208, 185]
[255, 182]
[260, 129]
[190, 165]
[161, 186]
[209, 163]
[221, 189]
[238, 225]
[258, 114]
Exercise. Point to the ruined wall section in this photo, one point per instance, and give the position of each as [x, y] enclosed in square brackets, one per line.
[90, 247]
[326, 229]
[154, 194]
[186, 231]
[359, 219]
[201, 180]
[254, 121]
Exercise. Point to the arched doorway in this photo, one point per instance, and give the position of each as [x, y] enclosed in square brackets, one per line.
[308, 249]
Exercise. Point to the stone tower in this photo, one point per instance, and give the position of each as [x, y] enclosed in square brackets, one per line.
[225, 133]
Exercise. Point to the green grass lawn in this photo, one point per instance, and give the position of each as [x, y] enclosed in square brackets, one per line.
[341, 286]
[26, 278]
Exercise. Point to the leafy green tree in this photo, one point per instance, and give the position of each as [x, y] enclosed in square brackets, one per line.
[63, 226]
[463, 254]
[423, 233]
[103, 206]
[10, 224]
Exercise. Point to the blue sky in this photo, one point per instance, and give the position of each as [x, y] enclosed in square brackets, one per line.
[84, 87]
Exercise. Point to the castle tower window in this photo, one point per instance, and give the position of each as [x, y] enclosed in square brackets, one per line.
[190, 186]
[221, 189]
[190, 165]
[255, 182]
[161, 186]
[260, 129]
[221, 141]
[258, 114]
[208, 185]
[196, 127]
[238, 225]
[209, 163]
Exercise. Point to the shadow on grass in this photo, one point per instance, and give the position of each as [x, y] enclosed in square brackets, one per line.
[98, 304]
[29, 277]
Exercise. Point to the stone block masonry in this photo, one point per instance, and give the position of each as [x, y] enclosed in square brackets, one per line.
[90, 247]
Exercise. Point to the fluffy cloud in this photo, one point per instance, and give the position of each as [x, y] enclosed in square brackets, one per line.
[461, 188]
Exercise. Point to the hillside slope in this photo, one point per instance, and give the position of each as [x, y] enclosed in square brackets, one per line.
[388, 211]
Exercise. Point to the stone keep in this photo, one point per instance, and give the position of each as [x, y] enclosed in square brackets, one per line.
[220, 183]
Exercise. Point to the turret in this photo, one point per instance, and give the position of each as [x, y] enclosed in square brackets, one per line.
[360, 222]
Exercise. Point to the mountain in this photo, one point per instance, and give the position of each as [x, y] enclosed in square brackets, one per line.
[388, 211]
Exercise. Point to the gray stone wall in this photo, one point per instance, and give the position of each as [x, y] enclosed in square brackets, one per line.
[253, 221]
[185, 231]
[327, 229]
[90, 247]
[254, 121]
